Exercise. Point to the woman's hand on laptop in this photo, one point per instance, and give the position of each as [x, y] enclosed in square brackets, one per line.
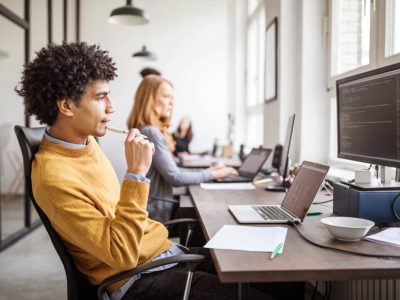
[219, 172]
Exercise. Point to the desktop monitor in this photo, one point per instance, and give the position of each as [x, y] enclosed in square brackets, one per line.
[284, 167]
[368, 114]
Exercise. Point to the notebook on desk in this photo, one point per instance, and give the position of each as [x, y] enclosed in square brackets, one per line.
[250, 166]
[296, 203]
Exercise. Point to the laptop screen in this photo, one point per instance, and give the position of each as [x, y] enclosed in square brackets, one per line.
[254, 161]
[304, 188]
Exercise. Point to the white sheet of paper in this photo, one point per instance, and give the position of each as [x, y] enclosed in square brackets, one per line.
[390, 236]
[248, 238]
[228, 186]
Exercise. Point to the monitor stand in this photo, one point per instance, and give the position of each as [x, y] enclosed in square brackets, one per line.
[397, 178]
[374, 186]
[385, 182]
[279, 187]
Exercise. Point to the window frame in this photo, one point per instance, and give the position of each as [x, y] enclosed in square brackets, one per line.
[257, 107]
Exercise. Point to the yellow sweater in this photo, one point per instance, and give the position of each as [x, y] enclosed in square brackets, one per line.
[104, 226]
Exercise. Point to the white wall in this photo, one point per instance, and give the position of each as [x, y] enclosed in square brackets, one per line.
[277, 112]
[192, 40]
[236, 93]
[290, 80]
[314, 131]
[301, 75]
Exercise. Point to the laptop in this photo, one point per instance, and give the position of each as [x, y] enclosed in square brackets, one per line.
[250, 166]
[296, 203]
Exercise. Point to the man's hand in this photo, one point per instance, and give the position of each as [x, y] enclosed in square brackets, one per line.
[138, 153]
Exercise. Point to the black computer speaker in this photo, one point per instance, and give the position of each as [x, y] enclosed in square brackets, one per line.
[277, 158]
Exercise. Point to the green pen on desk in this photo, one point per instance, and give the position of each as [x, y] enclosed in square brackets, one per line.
[276, 251]
[314, 213]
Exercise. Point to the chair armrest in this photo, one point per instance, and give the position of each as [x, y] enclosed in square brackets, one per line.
[184, 258]
[191, 223]
[174, 201]
[179, 221]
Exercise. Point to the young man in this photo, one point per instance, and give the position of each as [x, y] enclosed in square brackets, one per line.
[104, 225]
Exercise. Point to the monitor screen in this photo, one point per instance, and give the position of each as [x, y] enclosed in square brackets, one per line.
[368, 111]
[284, 167]
[254, 161]
[286, 148]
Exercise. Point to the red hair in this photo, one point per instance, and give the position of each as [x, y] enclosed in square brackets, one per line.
[143, 112]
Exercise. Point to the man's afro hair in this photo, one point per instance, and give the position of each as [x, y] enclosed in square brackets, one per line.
[62, 72]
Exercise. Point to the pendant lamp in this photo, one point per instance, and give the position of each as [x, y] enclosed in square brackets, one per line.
[128, 15]
[3, 54]
[144, 53]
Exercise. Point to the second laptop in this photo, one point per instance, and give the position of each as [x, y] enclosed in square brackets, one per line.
[250, 166]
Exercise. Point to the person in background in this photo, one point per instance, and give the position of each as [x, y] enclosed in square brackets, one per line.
[149, 71]
[182, 137]
[151, 113]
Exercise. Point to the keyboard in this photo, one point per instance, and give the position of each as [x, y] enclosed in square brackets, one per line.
[234, 178]
[272, 213]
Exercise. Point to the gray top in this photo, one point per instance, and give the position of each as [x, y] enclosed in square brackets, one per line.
[164, 173]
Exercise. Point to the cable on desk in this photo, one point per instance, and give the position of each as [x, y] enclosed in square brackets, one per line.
[393, 206]
[328, 187]
[339, 249]
[322, 202]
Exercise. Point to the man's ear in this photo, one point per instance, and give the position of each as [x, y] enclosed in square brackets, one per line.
[65, 106]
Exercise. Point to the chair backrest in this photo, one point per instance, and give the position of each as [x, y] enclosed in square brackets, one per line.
[78, 285]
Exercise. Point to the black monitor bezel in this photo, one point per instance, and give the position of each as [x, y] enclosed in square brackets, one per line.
[363, 158]
[291, 121]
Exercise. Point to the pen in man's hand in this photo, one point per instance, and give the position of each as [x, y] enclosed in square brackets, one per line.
[276, 251]
[114, 129]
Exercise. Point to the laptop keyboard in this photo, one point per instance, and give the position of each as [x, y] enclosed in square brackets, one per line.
[271, 213]
[235, 178]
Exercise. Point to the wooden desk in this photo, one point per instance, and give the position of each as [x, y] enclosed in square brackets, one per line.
[300, 261]
[208, 161]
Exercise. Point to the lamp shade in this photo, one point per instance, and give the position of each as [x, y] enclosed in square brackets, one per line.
[128, 15]
[3, 54]
[144, 53]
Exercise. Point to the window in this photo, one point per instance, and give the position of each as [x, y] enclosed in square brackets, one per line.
[252, 6]
[392, 27]
[350, 35]
[365, 34]
[255, 56]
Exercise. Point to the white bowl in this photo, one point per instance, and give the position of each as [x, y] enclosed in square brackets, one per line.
[346, 228]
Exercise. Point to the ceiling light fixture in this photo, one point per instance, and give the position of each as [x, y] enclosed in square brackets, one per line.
[128, 15]
[3, 54]
[144, 53]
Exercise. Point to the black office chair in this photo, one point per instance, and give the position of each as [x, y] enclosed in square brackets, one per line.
[174, 225]
[79, 287]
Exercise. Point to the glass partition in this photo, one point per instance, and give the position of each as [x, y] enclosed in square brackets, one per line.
[12, 186]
